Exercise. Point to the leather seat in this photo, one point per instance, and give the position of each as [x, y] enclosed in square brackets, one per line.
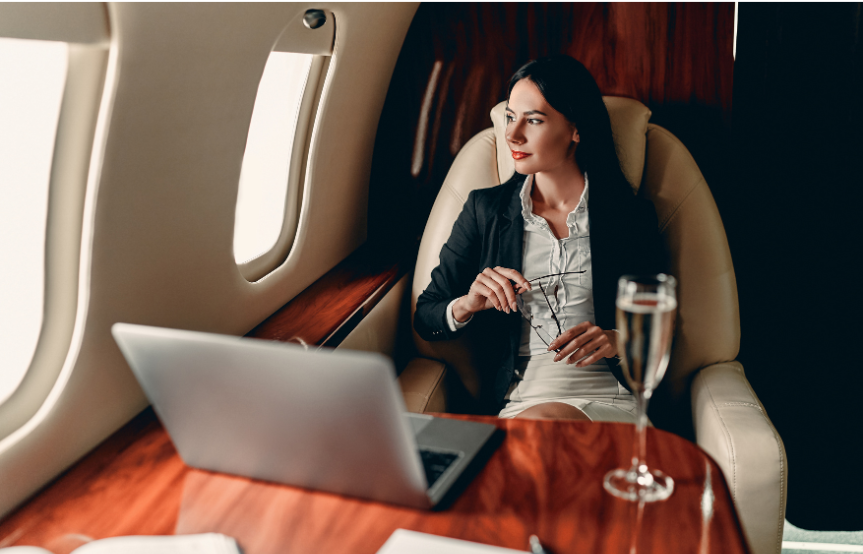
[730, 422]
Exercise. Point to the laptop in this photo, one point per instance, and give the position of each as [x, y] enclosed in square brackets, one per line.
[323, 419]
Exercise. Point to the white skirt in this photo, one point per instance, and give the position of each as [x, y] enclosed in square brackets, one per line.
[592, 389]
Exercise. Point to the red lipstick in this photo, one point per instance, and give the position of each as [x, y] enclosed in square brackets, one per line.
[520, 155]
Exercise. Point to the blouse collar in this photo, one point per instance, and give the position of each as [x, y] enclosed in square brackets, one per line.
[527, 203]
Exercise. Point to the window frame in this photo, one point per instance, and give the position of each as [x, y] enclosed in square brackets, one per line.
[75, 156]
[261, 265]
[296, 38]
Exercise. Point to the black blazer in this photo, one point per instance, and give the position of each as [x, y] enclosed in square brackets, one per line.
[489, 232]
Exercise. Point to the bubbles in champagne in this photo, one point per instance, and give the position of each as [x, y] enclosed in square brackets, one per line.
[646, 323]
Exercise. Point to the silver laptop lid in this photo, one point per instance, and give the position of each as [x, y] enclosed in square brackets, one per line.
[277, 412]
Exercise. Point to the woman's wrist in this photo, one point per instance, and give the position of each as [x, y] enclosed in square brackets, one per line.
[459, 312]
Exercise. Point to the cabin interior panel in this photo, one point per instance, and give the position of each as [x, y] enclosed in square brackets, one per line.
[178, 85]
[158, 219]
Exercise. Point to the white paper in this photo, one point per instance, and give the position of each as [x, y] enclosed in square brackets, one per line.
[403, 541]
[206, 543]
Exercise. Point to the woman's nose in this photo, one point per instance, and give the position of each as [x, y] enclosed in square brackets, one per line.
[514, 135]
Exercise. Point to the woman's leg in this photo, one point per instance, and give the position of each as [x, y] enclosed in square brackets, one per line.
[553, 410]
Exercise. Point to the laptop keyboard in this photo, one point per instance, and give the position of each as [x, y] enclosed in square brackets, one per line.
[436, 463]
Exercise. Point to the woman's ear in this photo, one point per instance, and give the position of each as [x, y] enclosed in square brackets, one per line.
[575, 137]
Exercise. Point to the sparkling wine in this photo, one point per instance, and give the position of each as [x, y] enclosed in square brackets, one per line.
[645, 319]
[646, 323]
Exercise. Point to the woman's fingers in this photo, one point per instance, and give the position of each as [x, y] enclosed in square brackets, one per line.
[585, 342]
[603, 352]
[522, 284]
[480, 290]
[587, 354]
[500, 300]
[569, 335]
[502, 287]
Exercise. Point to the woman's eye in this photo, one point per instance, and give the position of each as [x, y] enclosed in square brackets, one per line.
[534, 121]
[509, 119]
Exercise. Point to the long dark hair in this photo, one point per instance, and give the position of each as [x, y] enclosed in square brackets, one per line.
[570, 89]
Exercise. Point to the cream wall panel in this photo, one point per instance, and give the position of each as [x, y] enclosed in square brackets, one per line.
[378, 329]
[69, 171]
[82, 22]
[159, 221]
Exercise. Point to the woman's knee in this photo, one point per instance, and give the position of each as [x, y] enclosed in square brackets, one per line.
[553, 410]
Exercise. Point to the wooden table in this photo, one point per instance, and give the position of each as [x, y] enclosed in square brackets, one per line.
[544, 479]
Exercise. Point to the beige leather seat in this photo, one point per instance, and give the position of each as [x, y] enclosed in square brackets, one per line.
[729, 421]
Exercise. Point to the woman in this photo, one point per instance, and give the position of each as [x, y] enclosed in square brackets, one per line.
[567, 220]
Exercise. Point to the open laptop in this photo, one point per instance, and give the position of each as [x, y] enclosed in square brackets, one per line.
[321, 419]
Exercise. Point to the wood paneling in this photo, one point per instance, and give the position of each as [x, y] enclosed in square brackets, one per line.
[131, 484]
[545, 478]
[325, 312]
[458, 57]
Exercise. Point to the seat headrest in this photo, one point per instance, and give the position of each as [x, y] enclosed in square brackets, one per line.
[628, 125]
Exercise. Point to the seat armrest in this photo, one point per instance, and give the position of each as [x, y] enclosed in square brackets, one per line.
[732, 426]
[422, 385]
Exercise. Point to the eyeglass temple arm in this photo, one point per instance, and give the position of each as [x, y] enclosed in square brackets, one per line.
[555, 275]
[550, 309]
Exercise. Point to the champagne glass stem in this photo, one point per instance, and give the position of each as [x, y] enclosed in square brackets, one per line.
[639, 447]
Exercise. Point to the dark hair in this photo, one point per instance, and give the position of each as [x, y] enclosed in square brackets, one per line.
[570, 89]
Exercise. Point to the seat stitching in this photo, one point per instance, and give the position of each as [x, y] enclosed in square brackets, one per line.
[781, 490]
[455, 192]
[727, 440]
[779, 448]
[778, 440]
[750, 404]
[677, 207]
[662, 130]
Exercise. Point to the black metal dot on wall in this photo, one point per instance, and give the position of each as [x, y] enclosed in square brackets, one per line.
[314, 19]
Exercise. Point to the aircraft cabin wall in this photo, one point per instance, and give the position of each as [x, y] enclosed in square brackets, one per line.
[171, 91]
[157, 108]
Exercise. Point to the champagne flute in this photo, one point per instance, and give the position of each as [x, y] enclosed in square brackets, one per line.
[646, 307]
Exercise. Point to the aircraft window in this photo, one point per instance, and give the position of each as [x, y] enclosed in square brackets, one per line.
[266, 171]
[32, 79]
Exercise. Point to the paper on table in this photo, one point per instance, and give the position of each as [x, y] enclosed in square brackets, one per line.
[205, 543]
[403, 541]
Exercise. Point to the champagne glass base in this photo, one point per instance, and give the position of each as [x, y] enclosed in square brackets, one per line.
[647, 486]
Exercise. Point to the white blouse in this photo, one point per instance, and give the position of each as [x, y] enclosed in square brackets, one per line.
[571, 296]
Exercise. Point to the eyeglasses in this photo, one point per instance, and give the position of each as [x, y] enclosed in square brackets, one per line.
[544, 335]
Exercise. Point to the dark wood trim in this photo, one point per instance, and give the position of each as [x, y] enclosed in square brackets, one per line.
[545, 478]
[331, 307]
[322, 315]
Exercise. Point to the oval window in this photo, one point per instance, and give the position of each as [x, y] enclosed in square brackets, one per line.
[266, 167]
[32, 79]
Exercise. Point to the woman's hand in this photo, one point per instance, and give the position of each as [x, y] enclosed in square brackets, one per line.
[586, 341]
[491, 289]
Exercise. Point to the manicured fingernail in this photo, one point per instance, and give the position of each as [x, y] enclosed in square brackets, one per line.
[513, 306]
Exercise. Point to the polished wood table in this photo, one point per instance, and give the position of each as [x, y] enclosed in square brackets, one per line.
[544, 479]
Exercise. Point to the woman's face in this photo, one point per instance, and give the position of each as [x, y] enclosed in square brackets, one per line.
[540, 137]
